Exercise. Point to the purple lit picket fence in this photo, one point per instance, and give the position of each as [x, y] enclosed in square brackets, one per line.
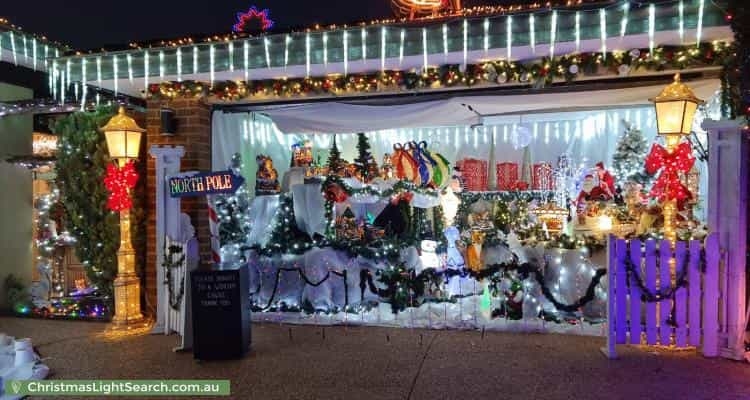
[696, 305]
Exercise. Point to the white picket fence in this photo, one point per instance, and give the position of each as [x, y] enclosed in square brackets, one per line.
[687, 317]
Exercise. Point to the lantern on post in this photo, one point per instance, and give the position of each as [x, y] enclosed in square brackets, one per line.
[675, 109]
[123, 142]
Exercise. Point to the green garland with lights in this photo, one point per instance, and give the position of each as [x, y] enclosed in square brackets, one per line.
[537, 74]
[81, 167]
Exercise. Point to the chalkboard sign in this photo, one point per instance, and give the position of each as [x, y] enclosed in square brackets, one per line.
[221, 313]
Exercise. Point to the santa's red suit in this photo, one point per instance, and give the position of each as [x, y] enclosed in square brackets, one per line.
[606, 180]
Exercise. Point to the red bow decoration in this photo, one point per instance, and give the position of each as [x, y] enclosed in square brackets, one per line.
[119, 182]
[669, 186]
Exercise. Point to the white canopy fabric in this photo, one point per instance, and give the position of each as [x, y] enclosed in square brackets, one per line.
[348, 117]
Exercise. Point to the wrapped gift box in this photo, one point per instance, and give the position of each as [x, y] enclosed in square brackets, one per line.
[475, 174]
[542, 177]
[507, 175]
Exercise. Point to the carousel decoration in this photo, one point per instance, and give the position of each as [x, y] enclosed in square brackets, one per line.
[412, 9]
[551, 216]
[302, 154]
[675, 109]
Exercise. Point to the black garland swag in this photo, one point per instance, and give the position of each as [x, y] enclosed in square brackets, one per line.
[664, 293]
[343, 274]
[175, 298]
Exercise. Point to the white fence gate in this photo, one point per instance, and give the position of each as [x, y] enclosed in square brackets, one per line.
[664, 295]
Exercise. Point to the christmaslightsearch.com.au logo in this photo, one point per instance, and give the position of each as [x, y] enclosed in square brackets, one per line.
[118, 388]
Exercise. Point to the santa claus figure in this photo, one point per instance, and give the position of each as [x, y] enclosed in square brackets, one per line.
[606, 180]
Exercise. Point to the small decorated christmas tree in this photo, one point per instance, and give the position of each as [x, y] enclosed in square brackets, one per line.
[365, 163]
[335, 163]
[630, 155]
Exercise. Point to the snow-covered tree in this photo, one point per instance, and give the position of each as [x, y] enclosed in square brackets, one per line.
[630, 155]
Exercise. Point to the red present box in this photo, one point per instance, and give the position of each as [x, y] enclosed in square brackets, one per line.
[541, 177]
[507, 175]
[474, 173]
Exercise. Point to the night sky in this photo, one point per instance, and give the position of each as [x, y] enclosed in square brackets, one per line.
[91, 24]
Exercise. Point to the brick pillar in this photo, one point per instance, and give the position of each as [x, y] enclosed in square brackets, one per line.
[194, 133]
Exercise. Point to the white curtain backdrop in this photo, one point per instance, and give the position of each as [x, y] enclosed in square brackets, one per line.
[585, 136]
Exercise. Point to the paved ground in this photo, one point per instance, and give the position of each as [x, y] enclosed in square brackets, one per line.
[378, 363]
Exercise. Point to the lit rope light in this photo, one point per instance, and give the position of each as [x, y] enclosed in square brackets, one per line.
[364, 45]
[486, 35]
[578, 31]
[699, 28]
[13, 47]
[445, 40]
[532, 33]
[84, 86]
[266, 46]
[603, 31]
[212, 64]
[345, 35]
[466, 42]
[161, 65]
[509, 36]
[246, 58]
[424, 48]
[681, 10]
[99, 71]
[179, 64]
[115, 73]
[401, 47]
[195, 59]
[624, 20]
[553, 34]
[230, 48]
[145, 69]
[651, 27]
[287, 41]
[383, 41]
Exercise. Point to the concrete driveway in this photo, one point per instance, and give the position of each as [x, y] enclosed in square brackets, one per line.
[381, 363]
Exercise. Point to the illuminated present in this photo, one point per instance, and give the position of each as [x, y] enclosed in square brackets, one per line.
[474, 173]
[542, 177]
[507, 175]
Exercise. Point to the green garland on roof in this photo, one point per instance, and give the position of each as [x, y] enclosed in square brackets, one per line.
[537, 74]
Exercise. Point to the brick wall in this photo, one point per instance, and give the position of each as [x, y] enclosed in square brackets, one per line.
[194, 133]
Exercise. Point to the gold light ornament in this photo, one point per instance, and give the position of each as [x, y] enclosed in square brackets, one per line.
[675, 108]
[123, 137]
[123, 142]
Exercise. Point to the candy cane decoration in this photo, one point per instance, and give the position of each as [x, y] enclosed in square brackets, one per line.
[213, 226]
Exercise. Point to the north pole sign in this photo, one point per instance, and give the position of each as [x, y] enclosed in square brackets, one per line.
[204, 183]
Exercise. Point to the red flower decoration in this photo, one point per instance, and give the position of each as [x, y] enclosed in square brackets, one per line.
[119, 182]
[253, 21]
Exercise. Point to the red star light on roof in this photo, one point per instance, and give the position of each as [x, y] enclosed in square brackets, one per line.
[253, 21]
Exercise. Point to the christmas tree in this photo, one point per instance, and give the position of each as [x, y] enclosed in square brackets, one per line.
[335, 163]
[365, 162]
[630, 155]
[233, 212]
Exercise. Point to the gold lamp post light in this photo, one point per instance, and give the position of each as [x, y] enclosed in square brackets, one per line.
[123, 142]
[675, 109]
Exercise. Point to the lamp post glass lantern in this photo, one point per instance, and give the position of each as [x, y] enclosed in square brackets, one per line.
[675, 109]
[123, 143]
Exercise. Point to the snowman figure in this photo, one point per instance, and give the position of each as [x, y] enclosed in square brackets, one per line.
[428, 256]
